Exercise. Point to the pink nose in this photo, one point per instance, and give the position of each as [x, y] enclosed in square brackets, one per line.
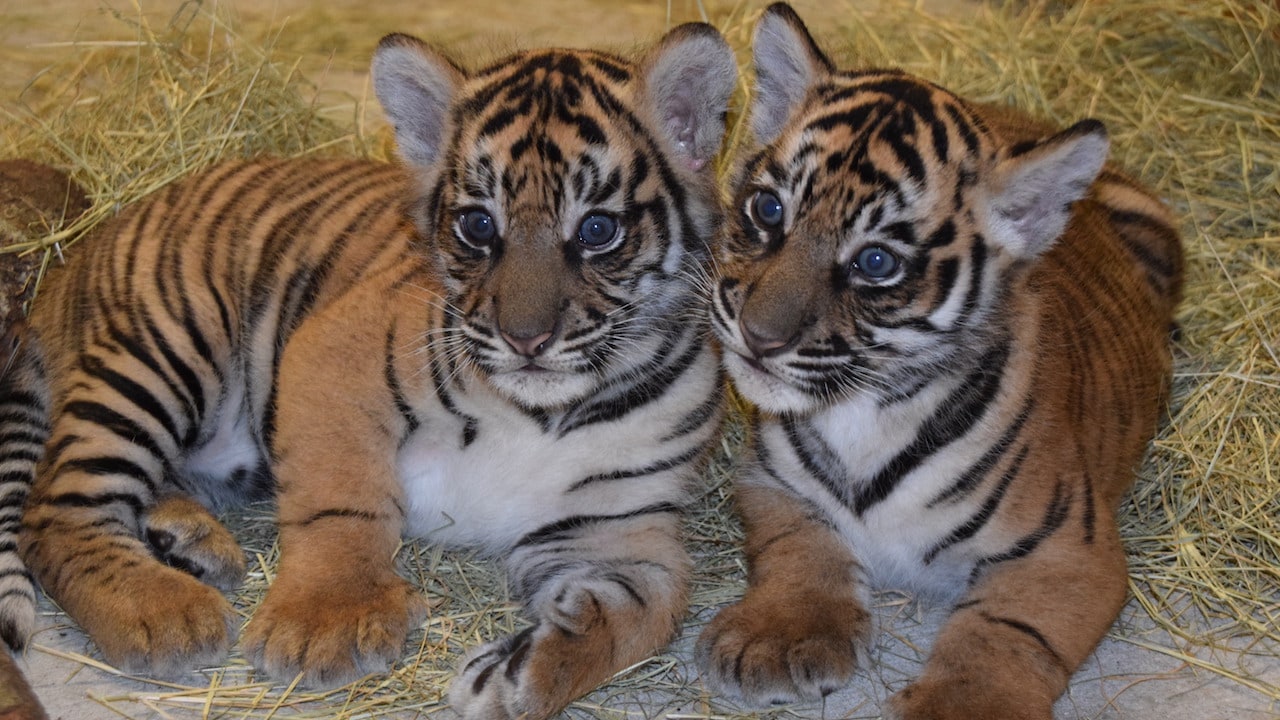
[527, 346]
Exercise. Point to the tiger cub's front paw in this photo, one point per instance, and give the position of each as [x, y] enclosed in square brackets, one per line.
[517, 676]
[159, 622]
[332, 634]
[763, 652]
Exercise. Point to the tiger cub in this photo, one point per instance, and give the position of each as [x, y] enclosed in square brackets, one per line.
[497, 345]
[954, 323]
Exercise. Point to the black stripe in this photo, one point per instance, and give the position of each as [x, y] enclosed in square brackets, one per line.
[83, 500]
[907, 154]
[564, 528]
[650, 469]
[1031, 632]
[132, 345]
[12, 436]
[964, 127]
[338, 513]
[397, 390]
[654, 380]
[818, 458]
[984, 513]
[625, 583]
[189, 378]
[977, 266]
[119, 425]
[700, 415]
[20, 400]
[1055, 515]
[975, 473]
[109, 466]
[955, 416]
[133, 391]
[1147, 224]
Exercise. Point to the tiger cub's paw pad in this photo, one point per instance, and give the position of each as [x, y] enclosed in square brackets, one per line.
[489, 683]
[183, 534]
[332, 636]
[759, 656]
[185, 626]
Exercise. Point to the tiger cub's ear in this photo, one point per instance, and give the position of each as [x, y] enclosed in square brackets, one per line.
[1036, 183]
[415, 85]
[788, 62]
[688, 79]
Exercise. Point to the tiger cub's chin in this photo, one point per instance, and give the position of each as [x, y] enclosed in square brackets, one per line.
[536, 387]
[764, 388]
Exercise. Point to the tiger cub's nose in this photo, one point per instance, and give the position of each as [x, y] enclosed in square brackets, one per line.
[765, 342]
[531, 346]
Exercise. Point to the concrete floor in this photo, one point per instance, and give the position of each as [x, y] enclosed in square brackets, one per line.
[1122, 680]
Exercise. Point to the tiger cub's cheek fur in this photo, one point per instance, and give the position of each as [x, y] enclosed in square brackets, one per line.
[953, 319]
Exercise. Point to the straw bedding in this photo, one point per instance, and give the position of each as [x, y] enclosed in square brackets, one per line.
[1189, 92]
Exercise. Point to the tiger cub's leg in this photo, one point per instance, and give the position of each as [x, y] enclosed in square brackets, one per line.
[183, 534]
[1014, 641]
[799, 631]
[111, 456]
[602, 596]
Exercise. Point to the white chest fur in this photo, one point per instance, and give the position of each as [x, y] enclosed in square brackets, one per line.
[488, 492]
[515, 476]
[892, 534]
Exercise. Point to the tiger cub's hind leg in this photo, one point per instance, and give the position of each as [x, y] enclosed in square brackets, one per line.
[601, 600]
[85, 529]
[183, 534]
[145, 616]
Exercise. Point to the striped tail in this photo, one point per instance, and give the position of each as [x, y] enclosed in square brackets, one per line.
[24, 427]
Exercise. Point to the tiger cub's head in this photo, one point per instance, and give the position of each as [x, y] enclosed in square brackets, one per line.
[567, 197]
[873, 236]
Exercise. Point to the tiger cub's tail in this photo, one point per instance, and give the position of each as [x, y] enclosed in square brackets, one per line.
[24, 427]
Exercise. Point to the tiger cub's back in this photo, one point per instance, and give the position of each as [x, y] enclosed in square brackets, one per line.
[1107, 291]
[203, 283]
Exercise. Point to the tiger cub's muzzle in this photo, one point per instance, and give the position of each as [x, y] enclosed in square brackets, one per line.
[775, 311]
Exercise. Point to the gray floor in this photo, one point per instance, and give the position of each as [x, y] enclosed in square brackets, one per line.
[1121, 680]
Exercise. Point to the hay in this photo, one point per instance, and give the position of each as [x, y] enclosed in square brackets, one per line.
[1188, 90]
[128, 117]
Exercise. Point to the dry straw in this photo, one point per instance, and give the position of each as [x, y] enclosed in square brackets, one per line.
[1189, 91]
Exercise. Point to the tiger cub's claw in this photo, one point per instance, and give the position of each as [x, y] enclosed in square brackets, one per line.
[331, 633]
[186, 626]
[764, 653]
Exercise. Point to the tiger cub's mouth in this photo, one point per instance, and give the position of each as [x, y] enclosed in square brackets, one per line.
[543, 382]
[766, 383]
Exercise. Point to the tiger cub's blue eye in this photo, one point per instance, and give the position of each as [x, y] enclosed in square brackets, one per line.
[767, 209]
[597, 231]
[876, 262]
[478, 227]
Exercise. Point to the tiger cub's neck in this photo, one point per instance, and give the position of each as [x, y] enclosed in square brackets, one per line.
[926, 437]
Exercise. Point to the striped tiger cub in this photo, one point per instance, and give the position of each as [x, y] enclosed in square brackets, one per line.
[497, 344]
[953, 321]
